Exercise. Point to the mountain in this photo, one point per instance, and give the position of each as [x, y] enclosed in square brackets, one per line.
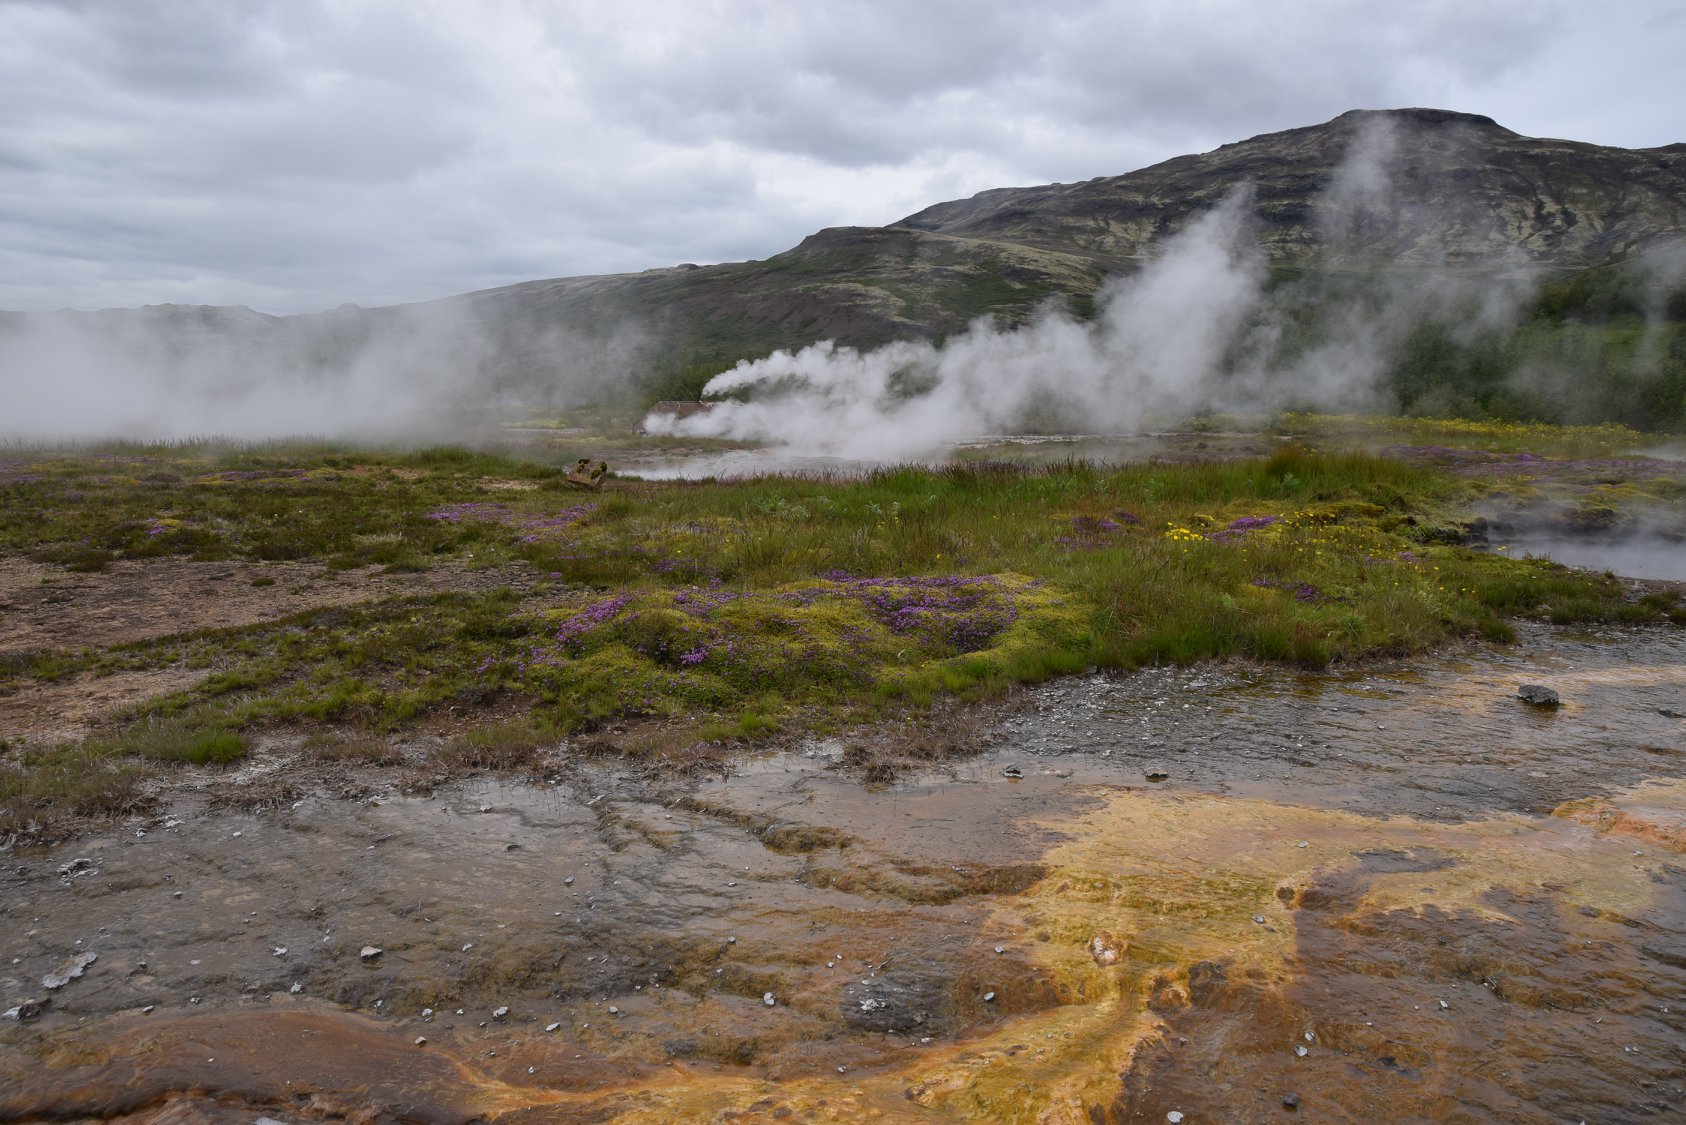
[1393, 191]
[1400, 192]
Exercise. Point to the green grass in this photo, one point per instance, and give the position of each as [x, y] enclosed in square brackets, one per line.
[736, 610]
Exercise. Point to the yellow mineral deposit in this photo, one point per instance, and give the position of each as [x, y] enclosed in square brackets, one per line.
[1172, 882]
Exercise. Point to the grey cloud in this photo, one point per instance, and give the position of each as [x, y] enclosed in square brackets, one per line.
[298, 153]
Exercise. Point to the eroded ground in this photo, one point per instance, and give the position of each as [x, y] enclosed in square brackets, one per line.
[1395, 893]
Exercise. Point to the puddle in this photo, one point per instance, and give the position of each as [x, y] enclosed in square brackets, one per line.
[1461, 907]
[1039, 449]
[1652, 557]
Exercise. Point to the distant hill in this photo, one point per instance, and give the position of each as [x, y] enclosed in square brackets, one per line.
[1400, 192]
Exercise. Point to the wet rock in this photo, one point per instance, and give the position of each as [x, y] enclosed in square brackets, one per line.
[81, 865]
[1538, 694]
[901, 1002]
[68, 971]
[1671, 713]
[29, 1009]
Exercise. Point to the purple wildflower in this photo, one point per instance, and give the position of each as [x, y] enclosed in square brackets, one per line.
[471, 513]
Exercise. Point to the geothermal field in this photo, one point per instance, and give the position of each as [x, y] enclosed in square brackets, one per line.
[1245, 771]
[528, 596]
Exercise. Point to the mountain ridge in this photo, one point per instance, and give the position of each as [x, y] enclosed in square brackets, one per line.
[1368, 192]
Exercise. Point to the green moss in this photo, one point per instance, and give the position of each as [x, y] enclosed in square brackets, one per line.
[739, 608]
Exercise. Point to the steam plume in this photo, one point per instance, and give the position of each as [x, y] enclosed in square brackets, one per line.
[1199, 328]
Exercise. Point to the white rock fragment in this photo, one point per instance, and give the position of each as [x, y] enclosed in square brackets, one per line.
[421, 1040]
[68, 971]
[1106, 949]
[296, 989]
[500, 1012]
[988, 996]
[279, 951]
[369, 953]
[1301, 1051]
[1174, 1116]
[768, 999]
[552, 1026]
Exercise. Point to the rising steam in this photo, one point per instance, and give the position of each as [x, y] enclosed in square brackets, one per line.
[1197, 329]
[1159, 341]
[179, 371]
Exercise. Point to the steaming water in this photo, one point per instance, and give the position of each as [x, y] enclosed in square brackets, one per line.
[1638, 556]
[1460, 907]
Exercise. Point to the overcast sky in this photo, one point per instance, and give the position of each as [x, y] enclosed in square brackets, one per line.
[291, 155]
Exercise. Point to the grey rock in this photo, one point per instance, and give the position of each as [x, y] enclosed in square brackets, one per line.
[1538, 694]
[69, 971]
[28, 1009]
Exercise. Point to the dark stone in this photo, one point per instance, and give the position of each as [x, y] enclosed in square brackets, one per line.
[1207, 983]
[30, 1009]
[1290, 1101]
[1538, 694]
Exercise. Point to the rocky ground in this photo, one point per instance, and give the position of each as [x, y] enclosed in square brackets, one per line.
[1227, 892]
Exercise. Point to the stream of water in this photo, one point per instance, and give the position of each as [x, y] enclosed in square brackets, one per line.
[1237, 894]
